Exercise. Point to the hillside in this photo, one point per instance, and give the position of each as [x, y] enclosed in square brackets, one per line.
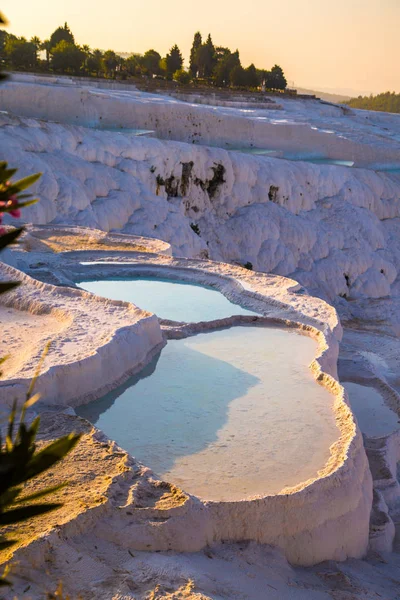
[335, 98]
[386, 102]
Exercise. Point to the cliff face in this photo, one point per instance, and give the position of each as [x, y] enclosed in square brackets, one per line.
[334, 229]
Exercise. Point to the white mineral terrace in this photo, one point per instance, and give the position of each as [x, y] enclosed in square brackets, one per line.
[287, 217]
[308, 509]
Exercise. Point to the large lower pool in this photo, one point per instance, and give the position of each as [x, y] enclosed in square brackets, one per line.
[168, 299]
[225, 415]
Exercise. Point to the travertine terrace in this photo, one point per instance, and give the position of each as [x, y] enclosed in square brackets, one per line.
[323, 252]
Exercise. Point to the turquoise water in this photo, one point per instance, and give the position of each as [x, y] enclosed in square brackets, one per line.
[259, 152]
[389, 171]
[328, 161]
[298, 157]
[130, 130]
[225, 415]
[168, 299]
[374, 417]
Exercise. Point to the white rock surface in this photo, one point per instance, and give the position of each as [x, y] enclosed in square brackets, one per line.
[326, 517]
[97, 343]
[334, 229]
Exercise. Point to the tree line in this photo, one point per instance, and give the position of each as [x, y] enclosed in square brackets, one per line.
[208, 65]
[385, 102]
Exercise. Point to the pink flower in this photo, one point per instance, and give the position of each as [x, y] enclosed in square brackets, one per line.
[15, 212]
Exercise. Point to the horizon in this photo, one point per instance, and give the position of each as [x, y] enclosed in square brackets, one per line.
[298, 39]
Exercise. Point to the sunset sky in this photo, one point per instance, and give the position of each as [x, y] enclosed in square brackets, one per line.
[338, 45]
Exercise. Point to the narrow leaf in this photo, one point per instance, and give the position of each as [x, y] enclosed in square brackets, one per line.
[11, 423]
[7, 544]
[9, 238]
[36, 375]
[41, 494]
[49, 456]
[26, 182]
[17, 515]
[31, 401]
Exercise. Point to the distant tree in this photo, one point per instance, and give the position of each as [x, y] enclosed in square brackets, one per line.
[20, 53]
[4, 36]
[182, 76]
[151, 62]
[193, 65]
[222, 71]
[251, 76]
[163, 66]
[386, 102]
[110, 63]
[261, 75]
[94, 62]
[173, 61]
[67, 57]
[87, 52]
[221, 52]
[206, 58]
[237, 76]
[46, 47]
[61, 34]
[275, 79]
[133, 64]
[38, 45]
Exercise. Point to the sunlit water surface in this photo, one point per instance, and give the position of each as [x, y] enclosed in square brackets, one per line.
[168, 299]
[225, 415]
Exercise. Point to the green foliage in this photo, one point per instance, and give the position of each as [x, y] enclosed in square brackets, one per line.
[150, 62]
[182, 76]
[197, 41]
[237, 76]
[94, 62]
[248, 265]
[20, 461]
[61, 34]
[11, 201]
[173, 61]
[206, 58]
[251, 77]
[386, 102]
[133, 64]
[227, 62]
[66, 57]
[214, 65]
[275, 79]
[20, 53]
[110, 63]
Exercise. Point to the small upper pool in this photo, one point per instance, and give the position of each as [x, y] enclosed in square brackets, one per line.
[176, 301]
[130, 130]
[225, 415]
[374, 417]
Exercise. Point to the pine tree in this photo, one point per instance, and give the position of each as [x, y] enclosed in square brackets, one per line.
[197, 42]
[174, 60]
[60, 34]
